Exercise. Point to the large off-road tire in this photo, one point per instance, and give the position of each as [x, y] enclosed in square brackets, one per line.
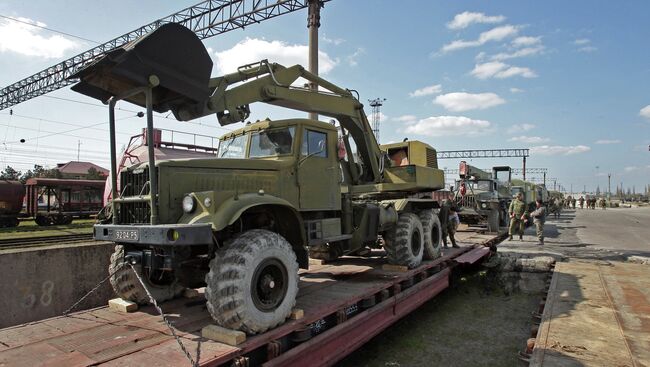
[493, 221]
[128, 287]
[253, 282]
[432, 233]
[404, 244]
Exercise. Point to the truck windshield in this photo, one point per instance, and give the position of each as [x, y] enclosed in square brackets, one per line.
[271, 142]
[482, 185]
[233, 148]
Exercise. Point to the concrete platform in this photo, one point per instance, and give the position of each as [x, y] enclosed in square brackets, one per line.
[597, 314]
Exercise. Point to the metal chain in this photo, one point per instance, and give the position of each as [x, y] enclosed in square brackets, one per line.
[155, 304]
[66, 312]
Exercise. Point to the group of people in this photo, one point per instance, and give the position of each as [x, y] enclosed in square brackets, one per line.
[592, 201]
[519, 217]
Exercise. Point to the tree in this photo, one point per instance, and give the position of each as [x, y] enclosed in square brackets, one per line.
[94, 174]
[10, 174]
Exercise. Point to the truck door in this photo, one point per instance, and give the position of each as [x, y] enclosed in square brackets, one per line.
[318, 171]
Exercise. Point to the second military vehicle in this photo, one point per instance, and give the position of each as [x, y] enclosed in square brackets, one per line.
[483, 196]
[279, 191]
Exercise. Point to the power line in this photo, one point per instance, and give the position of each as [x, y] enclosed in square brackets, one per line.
[48, 29]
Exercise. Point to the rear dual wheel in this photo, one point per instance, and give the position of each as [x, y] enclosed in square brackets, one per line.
[404, 243]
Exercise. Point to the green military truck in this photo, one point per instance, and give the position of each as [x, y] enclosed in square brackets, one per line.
[278, 192]
[483, 196]
[531, 192]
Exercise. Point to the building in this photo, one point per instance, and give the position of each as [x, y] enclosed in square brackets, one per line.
[79, 170]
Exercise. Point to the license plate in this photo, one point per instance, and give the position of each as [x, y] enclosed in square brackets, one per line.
[126, 235]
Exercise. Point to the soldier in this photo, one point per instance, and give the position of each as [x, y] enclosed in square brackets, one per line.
[518, 213]
[573, 203]
[539, 217]
[443, 215]
[603, 203]
[452, 225]
[582, 202]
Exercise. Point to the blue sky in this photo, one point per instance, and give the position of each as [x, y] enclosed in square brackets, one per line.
[569, 80]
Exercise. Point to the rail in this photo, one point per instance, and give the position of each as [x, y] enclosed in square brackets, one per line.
[12, 243]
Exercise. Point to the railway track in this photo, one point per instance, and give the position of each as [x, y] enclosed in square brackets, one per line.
[43, 240]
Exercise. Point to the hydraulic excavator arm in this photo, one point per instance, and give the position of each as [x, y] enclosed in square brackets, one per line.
[274, 84]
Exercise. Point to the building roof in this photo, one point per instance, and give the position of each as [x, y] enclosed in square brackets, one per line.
[79, 168]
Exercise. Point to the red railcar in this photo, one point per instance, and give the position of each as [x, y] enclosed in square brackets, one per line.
[58, 201]
[11, 202]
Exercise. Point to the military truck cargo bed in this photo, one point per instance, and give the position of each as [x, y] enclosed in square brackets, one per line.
[345, 303]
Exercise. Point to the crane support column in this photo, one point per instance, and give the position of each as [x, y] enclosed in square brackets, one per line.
[313, 23]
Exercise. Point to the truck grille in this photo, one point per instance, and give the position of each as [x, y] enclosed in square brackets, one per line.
[134, 213]
[467, 202]
[134, 184]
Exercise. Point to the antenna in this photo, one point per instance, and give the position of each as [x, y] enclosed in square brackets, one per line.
[376, 115]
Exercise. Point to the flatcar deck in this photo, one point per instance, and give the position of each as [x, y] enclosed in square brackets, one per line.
[345, 303]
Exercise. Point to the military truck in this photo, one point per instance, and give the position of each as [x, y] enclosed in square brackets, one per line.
[531, 192]
[483, 196]
[279, 191]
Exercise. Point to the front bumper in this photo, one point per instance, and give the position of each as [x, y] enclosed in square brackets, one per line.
[160, 235]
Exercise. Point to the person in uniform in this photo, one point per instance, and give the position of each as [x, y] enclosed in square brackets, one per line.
[582, 202]
[452, 225]
[539, 217]
[443, 215]
[603, 203]
[518, 213]
[573, 203]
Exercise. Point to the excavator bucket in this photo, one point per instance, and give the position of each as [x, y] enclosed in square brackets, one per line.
[173, 53]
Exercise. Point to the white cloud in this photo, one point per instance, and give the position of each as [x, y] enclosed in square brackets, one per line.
[252, 49]
[460, 101]
[449, 126]
[494, 34]
[466, 18]
[405, 118]
[527, 51]
[586, 45]
[334, 41]
[516, 90]
[529, 139]
[645, 112]
[631, 168]
[426, 91]
[606, 141]
[517, 128]
[588, 49]
[353, 58]
[526, 41]
[500, 70]
[28, 40]
[559, 149]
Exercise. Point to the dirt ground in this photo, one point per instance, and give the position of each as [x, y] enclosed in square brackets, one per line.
[440, 332]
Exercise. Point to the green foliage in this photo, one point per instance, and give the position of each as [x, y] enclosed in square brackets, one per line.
[94, 174]
[10, 174]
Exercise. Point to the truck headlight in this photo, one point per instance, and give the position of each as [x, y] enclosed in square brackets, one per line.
[189, 204]
[483, 205]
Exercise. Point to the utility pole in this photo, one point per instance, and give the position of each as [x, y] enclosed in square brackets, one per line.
[313, 23]
[609, 186]
[544, 177]
[78, 149]
[523, 171]
[376, 115]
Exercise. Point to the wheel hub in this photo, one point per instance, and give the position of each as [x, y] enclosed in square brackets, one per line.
[269, 285]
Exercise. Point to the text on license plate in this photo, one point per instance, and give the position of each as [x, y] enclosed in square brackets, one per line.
[129, 235]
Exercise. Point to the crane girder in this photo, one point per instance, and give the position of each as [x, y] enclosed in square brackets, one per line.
[206, 19]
